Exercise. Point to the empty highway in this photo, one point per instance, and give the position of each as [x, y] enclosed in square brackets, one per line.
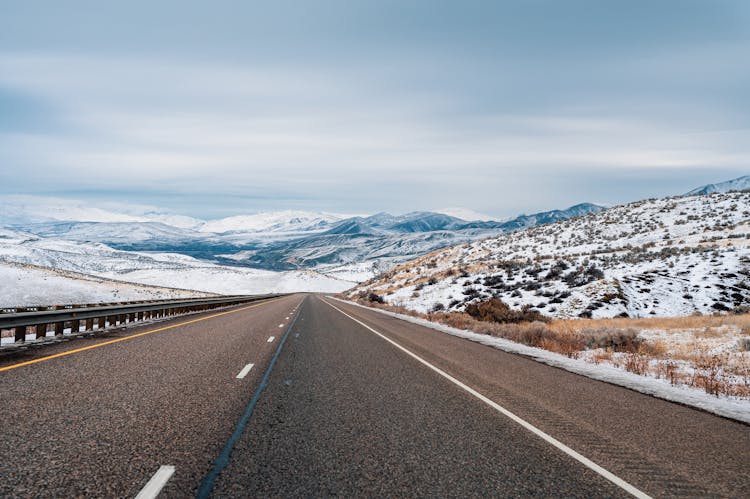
[307, 396]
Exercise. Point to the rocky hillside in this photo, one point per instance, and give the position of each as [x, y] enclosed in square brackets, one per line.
[658, 257]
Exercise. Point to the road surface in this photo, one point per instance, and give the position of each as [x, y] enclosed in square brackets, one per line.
[354, 403]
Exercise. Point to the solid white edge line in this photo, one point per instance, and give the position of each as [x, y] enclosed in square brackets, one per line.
[271, 338]
[157, 482]
[244, 371]
[630, 489]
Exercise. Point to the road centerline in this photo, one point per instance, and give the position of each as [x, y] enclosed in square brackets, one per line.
[245, 370]
[627, 487]
[207, 484]
[158, 481]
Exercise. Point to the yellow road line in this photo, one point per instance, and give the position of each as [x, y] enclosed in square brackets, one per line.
[137, 335]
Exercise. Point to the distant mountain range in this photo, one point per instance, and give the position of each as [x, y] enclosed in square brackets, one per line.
[737, 184]
[353, 246]
[284, 240]
[385, 237]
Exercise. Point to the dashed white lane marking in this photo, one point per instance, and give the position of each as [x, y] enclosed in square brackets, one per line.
[271, 338]
[157, 482]
[533, 429]
[286, 318]
[281, 325]
[244, 371]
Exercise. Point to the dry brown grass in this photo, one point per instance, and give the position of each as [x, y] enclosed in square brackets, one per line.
[681, 323]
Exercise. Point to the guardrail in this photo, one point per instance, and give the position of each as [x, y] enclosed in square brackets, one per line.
[89, 319]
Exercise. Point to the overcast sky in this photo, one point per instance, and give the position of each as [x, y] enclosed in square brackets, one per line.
[215, 108]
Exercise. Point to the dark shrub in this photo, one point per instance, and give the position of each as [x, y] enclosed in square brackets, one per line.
[375, 298]
[493, 280]
[495, 310]
[583, 275]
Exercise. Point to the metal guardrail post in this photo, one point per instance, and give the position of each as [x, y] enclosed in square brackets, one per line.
[20, 333]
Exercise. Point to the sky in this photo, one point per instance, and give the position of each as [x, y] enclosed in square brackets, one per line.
[216, 108]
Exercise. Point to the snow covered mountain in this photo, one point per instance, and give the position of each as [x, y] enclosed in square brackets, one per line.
[466, 214]
[659, 257]
[279, 222]
[383, 240]
[283, 240]
[737, 184]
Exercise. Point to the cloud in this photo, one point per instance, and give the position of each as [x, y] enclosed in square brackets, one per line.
[370, 107]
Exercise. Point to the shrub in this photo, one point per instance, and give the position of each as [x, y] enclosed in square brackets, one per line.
[375, 298]
[495, 310]
[583, 275]
[619, 340]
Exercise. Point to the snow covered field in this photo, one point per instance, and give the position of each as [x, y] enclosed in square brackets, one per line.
[25, 285]
[95, 263]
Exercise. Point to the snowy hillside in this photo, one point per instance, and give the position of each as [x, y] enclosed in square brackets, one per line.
[168, 270]
[737, 184]
[663, 257]
[27, 285]
[120, 233]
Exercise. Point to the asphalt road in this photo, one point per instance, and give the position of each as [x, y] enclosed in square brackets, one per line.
[345, 413]
[100, 423]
